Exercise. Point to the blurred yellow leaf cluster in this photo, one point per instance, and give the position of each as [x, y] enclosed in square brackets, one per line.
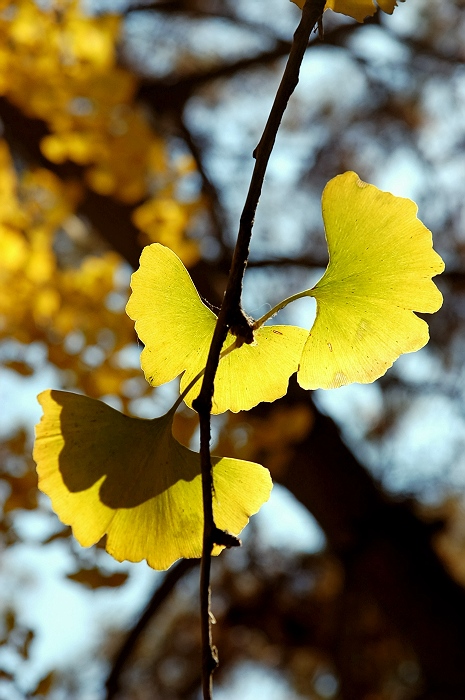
[41, 300]
[164, 220]
[60, 65]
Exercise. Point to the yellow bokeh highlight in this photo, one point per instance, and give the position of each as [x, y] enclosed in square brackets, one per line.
[165, 220]
[42, 299]
[60, 65]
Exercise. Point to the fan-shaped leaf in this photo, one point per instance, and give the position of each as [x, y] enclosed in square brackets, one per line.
[176, 328]
[380, 270]
[130, 479]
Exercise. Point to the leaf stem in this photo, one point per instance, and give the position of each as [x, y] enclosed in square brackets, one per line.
[231, 313]
[198, 376]
[282, 304]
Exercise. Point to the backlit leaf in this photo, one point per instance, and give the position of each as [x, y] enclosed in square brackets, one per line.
[176, 328]
[130, 479]
[380, 270]
[251, 373]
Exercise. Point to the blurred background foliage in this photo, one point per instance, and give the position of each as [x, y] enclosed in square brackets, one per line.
[126, 123]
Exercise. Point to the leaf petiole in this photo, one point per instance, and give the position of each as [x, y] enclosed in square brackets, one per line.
[236, 344]
[181, 397]
[282, 304]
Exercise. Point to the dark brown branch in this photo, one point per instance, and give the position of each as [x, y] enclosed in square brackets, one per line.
[158, 598]
[231, 315]
[231, 306]
[208, 188]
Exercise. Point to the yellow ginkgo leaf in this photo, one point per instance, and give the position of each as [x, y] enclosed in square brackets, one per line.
[177, 328]
[381, 262]
[128, 478]
[252, 373]
[358, 9]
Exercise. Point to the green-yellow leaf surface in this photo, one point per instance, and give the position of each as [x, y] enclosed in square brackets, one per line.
[176, 328]
[358, 9]
[381, 262]
[128, 478]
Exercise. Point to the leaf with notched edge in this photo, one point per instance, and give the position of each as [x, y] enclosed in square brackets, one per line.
[381, 261]
[177, 328]
[128, 478]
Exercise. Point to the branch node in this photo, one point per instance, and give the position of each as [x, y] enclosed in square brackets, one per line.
[231, 317]
[211, 661]
[202, 405]
[241, 325]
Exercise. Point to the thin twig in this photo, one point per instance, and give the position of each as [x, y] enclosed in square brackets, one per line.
[208, 188]
[157, 599]
[232, 317]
